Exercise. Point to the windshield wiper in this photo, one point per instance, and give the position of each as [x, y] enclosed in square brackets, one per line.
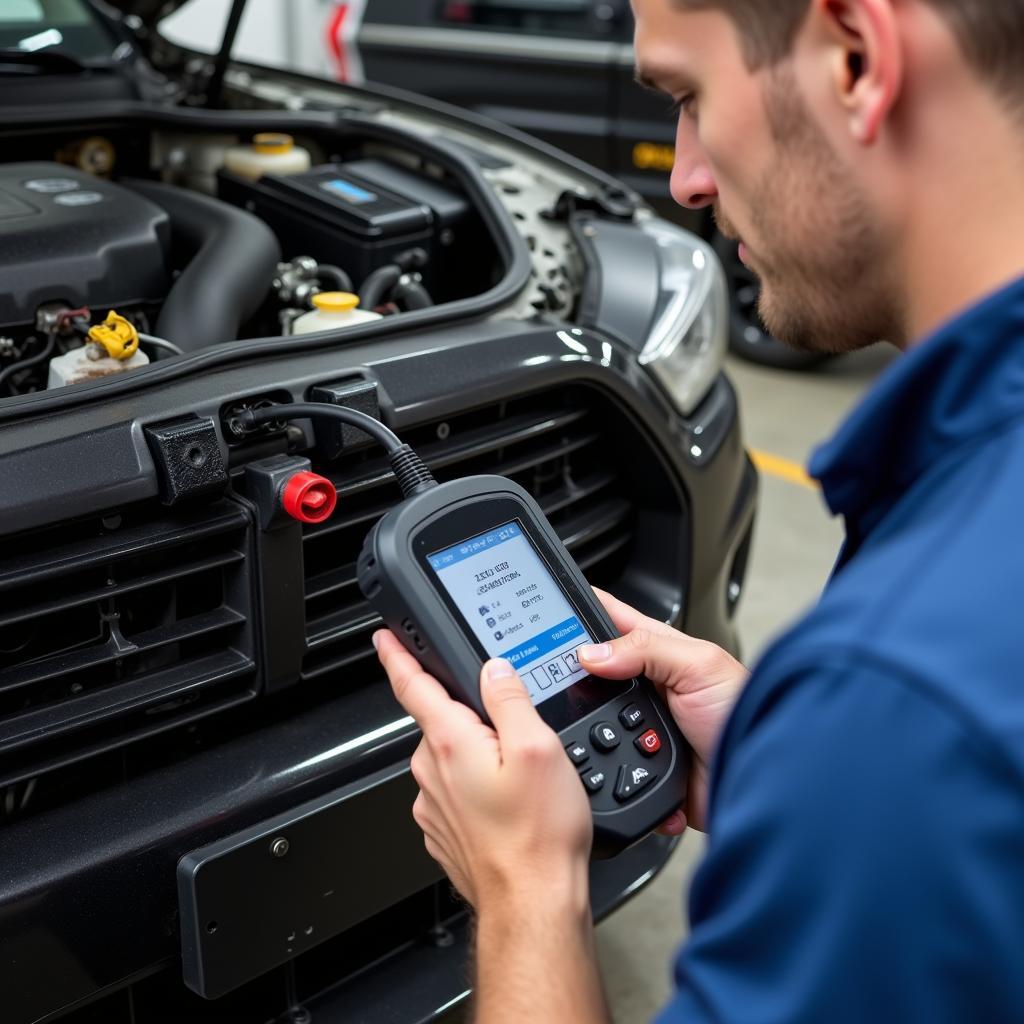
[40, 62]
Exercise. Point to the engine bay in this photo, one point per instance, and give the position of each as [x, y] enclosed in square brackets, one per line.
[127, 248]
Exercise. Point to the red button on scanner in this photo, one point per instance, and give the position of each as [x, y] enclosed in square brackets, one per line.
[308, 497]
[649, 743]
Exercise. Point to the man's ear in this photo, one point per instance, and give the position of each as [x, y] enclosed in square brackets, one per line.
[866, 62]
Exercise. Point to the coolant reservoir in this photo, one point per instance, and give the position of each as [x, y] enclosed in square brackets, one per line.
[76, 366]
[269, 153]
[331, 311]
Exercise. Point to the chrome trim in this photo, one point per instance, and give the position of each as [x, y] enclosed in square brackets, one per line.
[491, 44]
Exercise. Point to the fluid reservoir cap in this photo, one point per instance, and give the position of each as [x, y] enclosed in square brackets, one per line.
[309, 497]
[272, 142]
[335, 302]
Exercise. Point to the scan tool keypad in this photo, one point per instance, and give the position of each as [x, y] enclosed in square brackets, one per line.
[618, 751]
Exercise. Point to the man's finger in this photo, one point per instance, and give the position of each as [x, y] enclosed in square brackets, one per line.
[627, 618]
[507, 702]
[419, 693]
[664, 658]
[675, 825]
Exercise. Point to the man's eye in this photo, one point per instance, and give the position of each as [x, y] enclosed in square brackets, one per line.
[684, 105]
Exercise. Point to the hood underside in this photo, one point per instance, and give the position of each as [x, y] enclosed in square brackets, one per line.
[151, 12]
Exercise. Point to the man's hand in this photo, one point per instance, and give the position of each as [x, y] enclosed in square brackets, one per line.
[698, 681]
[504, 813]
[502, 809]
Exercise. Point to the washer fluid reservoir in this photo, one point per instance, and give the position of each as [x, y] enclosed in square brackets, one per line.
[269, 153]
[332, 310]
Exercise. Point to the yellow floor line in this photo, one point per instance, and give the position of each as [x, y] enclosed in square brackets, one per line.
[784, 469]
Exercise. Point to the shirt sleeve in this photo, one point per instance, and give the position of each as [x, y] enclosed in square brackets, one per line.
[864, 864]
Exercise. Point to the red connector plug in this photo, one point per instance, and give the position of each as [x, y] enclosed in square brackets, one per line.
[309, 497]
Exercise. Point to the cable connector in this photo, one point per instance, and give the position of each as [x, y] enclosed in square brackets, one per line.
[410, 470]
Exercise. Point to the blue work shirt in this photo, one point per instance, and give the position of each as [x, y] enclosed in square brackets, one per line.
[866, 834]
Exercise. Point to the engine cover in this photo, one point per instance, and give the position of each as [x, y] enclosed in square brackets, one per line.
[67, 236]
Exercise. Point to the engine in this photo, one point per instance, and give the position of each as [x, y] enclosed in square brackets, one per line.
[99, 277]
[69, 238]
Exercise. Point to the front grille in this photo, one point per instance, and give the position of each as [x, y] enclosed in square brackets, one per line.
[115, 628]
[562, 448]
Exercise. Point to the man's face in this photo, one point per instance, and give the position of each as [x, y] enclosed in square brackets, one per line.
[748, 145]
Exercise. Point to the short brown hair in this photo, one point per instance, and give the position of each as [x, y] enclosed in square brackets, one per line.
[990, 33]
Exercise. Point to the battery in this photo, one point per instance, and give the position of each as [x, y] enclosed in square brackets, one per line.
[357, 215]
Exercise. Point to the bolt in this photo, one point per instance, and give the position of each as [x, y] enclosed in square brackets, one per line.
[279, 847]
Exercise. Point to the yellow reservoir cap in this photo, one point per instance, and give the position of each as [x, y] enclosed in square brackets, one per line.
[335, 302]
[272, 142]
[116, 336]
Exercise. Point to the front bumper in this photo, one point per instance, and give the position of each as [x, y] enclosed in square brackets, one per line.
[89, 903]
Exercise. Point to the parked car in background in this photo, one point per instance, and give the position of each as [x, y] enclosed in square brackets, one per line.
[561, 70]
[205, 800]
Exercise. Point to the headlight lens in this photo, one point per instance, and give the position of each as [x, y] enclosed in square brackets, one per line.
[686, 347]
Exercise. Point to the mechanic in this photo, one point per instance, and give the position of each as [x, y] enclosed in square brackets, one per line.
[863, 789]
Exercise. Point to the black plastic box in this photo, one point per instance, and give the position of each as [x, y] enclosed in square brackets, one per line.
[68, 236]
[358, 215]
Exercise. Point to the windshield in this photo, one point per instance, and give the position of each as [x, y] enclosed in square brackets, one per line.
[65, 26]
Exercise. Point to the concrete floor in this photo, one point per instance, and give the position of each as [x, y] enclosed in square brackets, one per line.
[785, 415]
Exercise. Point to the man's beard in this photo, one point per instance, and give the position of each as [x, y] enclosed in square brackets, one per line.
[819, 255]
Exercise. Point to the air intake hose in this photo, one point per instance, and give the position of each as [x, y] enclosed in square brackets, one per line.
[235, 257]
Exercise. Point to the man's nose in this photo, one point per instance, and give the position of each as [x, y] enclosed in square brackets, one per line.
[692, 184]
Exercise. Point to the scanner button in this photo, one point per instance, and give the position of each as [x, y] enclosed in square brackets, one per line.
[631, 780]
[578, 753]
[593, 780]
[604, 736]
[631, 716]
[648, 744]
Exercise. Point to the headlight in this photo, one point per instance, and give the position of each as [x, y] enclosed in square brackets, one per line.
[687, 344]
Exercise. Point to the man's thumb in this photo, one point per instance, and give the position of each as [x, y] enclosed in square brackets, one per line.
[505, 698]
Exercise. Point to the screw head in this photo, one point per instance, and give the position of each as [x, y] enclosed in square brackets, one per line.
[279, 847]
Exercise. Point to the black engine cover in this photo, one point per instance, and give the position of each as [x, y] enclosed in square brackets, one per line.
[68, 236]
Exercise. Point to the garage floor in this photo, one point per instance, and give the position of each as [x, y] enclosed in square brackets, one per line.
[785, 416]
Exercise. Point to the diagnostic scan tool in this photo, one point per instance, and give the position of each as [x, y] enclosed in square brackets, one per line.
[471, 570]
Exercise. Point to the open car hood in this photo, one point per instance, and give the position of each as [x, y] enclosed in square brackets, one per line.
[151, 12]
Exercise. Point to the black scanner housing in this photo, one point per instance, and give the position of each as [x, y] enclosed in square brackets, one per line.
[395, 580]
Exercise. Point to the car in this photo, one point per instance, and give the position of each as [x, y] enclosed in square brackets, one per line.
[204, 786]
[561, 70]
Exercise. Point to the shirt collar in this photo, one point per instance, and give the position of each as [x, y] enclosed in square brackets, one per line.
[961, 382]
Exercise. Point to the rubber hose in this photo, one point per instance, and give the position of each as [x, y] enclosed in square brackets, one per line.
[24, 364]
[378, 285]
[411, 295]
[335, 276]
[228, 277]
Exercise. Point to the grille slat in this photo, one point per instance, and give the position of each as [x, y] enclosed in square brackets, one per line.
[116, 627]
[97, 550]
[516, 431]
[570, 494]
[174, 682]
[331, 581]
[112, 651]
[593, 522]
[332, 629]
[555, 453]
